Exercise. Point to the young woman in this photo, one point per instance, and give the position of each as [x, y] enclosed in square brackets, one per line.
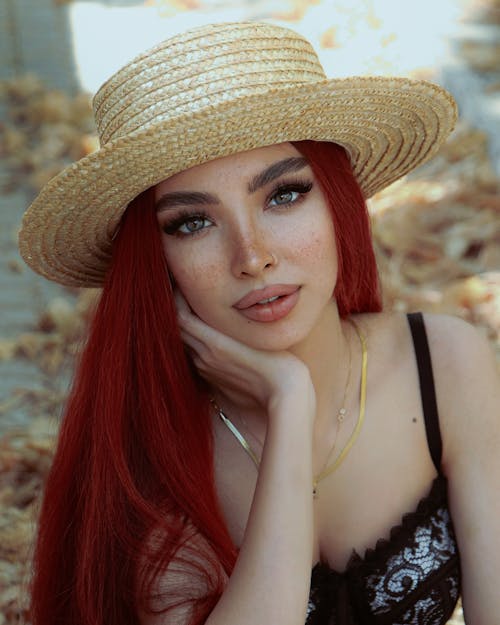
[243, 412]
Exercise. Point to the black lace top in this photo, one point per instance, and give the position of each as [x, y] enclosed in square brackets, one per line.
[414, 577]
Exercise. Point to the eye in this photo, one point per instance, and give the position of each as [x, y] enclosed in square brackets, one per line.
[187, 224]
[285, 196]
[289, 193]
[195, 224]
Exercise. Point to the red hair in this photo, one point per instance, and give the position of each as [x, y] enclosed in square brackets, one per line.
[134, 458]
[358, 288]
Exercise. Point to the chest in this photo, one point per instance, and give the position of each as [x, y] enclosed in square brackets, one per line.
[384, 546]
[383, 477]
[414, 577]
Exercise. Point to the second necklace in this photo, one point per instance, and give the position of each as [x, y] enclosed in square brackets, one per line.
[330, 468]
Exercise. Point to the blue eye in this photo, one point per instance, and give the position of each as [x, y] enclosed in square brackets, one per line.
[195, 224]
[289, 193]
[285, 197]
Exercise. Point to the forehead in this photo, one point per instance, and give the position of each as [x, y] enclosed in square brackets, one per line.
[240, 165]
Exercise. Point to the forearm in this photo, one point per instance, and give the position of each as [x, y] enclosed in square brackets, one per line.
[270, 581]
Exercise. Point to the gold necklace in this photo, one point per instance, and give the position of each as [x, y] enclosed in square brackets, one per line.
[361, 415]
[340, 417]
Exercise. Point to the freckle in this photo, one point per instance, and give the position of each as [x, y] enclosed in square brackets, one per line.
[414, 420]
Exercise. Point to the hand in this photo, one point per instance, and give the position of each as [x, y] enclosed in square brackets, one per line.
[268, 378]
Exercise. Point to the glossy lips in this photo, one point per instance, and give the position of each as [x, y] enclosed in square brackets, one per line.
[287, 294]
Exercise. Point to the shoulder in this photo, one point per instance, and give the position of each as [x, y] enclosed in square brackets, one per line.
[463, 360]
[459, 351]
[467, 386]
[464, 367]
[449, 335]
[458, 344]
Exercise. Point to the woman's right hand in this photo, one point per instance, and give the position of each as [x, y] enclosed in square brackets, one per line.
[277, 547]
[268, 378]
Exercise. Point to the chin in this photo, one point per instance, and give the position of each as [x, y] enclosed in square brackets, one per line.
[273, 340]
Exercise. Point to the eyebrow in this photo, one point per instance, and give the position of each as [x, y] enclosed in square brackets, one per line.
[276, 170]
[198, 198]
[185, 198]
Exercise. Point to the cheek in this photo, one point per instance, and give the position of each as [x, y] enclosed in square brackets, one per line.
[317, 255]
[198, 281]
[318, 248]
[194, 273]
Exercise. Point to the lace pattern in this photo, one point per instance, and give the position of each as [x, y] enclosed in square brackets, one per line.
[411, 579]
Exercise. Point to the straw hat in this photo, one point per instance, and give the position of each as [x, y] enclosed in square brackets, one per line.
[207, 93]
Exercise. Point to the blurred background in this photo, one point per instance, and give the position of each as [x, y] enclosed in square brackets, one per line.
[437, 233]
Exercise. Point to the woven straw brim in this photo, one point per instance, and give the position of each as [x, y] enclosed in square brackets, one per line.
[388, 125]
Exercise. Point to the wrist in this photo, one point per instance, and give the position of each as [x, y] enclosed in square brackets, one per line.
[293, 407]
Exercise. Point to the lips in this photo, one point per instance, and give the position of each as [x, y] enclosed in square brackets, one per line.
[286, 295]
[259, 295]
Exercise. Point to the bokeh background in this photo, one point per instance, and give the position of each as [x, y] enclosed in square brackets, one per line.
[437, 233]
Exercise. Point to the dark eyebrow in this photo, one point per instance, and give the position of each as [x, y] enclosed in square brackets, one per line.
[276, 170]
[197, 198]
[185, 198]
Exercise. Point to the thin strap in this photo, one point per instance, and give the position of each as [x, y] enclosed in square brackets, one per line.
[427, 389]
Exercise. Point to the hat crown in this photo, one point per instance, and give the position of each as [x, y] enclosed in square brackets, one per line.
[200, 69]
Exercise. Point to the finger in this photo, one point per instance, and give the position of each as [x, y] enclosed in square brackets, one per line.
[181, 302]
[192, 325]
[199, 364]
[186, 317]
[192, 342]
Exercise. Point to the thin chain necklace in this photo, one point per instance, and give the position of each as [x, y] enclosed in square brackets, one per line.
[329, 468]
[341, 415]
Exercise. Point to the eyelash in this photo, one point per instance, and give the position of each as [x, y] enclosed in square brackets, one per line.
[173, 226]
[302, 187]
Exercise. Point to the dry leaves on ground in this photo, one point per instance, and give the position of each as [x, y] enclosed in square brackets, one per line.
[45, 130]
[437, 236]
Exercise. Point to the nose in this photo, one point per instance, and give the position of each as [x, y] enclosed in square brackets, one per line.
[252, 254]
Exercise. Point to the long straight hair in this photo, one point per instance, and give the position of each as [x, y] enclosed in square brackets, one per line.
[358, 286]
[133, 469]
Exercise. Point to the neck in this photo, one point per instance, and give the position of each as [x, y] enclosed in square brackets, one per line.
[326, 354]
[325, 351]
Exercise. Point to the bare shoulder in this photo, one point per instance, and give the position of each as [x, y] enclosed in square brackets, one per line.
[459, 351]
[459, 345]
[462, 358]
[467, 384]
[449, 337]
[464, 367]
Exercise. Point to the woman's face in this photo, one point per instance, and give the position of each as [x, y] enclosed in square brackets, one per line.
[249, 241]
